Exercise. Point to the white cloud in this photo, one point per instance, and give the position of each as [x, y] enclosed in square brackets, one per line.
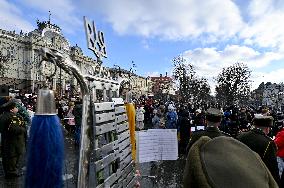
[62, 12]
[145, 44]
[209, 61]
[275, 76]
[171, 19]
[12, 18]
[152, 74]
[264, 26]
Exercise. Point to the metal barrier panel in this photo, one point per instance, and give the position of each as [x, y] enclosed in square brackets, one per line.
[111, 162]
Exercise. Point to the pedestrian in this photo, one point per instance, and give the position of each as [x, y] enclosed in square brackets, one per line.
[279, 141]
[213, 118]
[225, 162]
[171, 118]
[78, 109]
[140, 118]
[184, 128]
[31, 115]
[60, 111]
[199, 119]
[157, 121]
[258, 141]
[13, 139]
[70, 118]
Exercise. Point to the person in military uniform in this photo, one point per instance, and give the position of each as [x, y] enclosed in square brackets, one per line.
[225, 162]
[213, 119]
[258, 141]
[13, 135]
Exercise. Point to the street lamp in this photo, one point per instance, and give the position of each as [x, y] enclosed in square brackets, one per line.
[147, 84]
[131, 72]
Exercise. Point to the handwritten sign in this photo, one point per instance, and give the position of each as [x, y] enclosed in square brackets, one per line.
[156, 145]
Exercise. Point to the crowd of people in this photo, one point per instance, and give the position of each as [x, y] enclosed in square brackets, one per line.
[259, 129]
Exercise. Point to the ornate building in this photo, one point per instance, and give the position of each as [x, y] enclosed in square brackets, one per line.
[139, 85]
[21, 67]
[162, 86]
[273, 95]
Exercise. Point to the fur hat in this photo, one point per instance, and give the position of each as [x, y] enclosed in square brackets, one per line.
[9, 105]
[263, 121]
[213, 115]
[4, 100]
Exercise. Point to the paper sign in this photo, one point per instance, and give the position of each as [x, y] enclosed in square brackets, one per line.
[197, 128]
[200, 128]
[156, 145]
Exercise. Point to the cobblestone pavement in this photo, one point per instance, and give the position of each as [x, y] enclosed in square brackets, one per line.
[154, 174]
[162, 174]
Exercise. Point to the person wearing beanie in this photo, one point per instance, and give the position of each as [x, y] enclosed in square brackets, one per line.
[213, 120]
[258, 141]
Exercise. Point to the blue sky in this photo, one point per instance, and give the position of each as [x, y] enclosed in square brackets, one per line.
[212, 34]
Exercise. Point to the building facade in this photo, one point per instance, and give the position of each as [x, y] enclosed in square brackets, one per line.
[163, 86]
[273, 95]
[23, 69]
[130, 81]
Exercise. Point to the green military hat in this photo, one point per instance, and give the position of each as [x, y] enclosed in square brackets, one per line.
[9, 105]
[263, 121]
[213, 115]
[223, 162]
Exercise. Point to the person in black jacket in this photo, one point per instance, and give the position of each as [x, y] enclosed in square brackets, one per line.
[184, 128]
[213, 120]
[258, 141]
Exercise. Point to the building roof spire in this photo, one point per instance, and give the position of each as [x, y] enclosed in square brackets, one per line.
[49, 16]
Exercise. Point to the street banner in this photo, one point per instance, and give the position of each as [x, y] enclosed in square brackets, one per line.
[156, 145]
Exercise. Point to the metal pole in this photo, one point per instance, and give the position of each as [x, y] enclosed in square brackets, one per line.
[60, 83]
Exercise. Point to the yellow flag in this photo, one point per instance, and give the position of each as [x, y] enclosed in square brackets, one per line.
[130, 109]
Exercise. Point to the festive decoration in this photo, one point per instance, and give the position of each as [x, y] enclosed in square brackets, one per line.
[46, 145]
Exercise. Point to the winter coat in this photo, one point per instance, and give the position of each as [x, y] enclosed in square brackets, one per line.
[13, 135]
[171, 120]
[279, 141]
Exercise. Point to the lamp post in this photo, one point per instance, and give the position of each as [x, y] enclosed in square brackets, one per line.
[60, 83]
[131, 72]
[147, 84]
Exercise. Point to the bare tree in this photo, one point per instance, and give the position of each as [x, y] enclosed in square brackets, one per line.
[183, 72]
[190, 85]
[233, 85]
